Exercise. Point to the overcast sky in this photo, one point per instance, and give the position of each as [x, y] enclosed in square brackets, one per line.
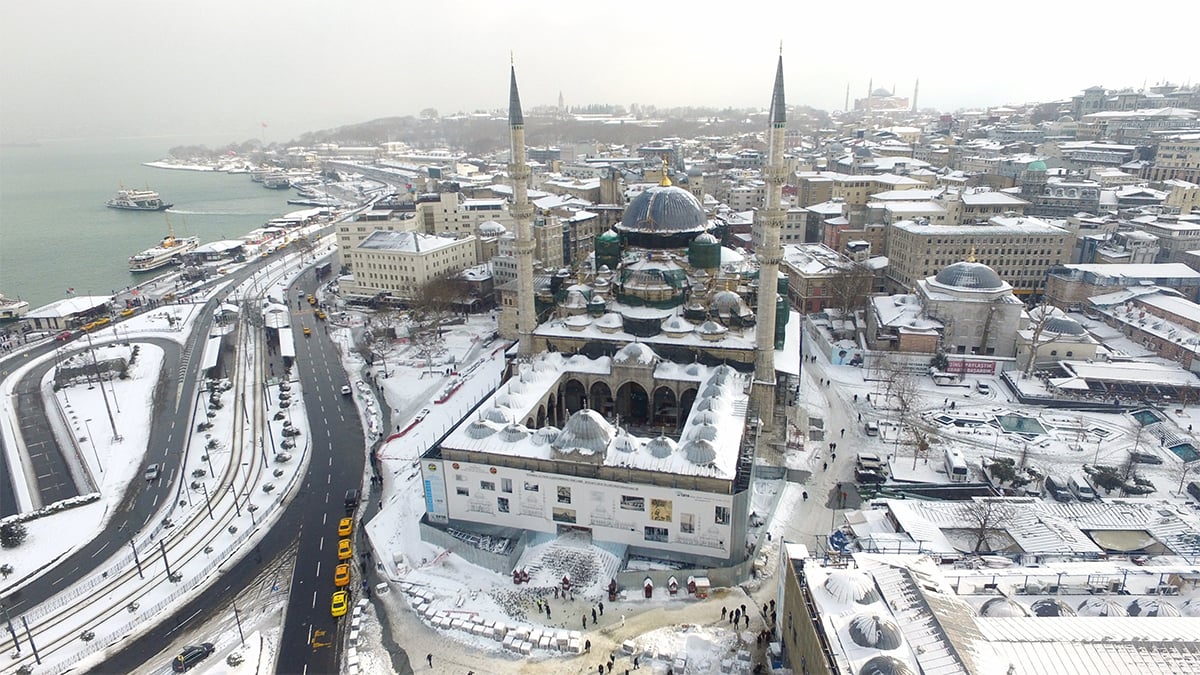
[221, 68]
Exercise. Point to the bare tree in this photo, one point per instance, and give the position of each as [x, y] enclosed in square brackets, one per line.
[1039, 316]
[849, 287]
[985, 517]
[429, 311]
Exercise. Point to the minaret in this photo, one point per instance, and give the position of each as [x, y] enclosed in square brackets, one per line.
[916, 90]
[846, 106]
[770, 220]
[522, 213]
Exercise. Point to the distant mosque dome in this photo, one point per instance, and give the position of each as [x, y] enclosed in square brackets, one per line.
[585, 431]
[490, 228]
[1063, 325]
[875, 632]
[1036, 165]
[970, 275]
[1002, 607]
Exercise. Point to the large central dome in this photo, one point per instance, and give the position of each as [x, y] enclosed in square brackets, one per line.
[970, 275]
[663, 217]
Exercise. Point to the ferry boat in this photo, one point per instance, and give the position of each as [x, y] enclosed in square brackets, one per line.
[276, 181]
[167, 252]
[11, 310]
[137, 200]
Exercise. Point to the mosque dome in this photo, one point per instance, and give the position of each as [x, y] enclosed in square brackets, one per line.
[635, 352]
[1101, 607]
[1051, 607]
[703, 432]
[1002, 607]
[490, 228]
[874, 632]
[1063, 325]
[1190, 607]
[707, 238]
[1036, 165]
[545, 435]
[851, 586]
[587, 431]
[1152, 607]
[700, 451]
[885, 665]
[663, 216]
[661, 447]
[609, 235]
[726, 303]
[970, 275]
[624, 442]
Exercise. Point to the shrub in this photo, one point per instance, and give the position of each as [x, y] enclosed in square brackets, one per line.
[12, 535]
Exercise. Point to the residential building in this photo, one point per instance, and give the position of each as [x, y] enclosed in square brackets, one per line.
[395, 265]
[1069, 286]
[1176, 235]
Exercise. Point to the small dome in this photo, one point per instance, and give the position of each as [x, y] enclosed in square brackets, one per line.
[479, 429]
[624, 442]
[851, 586]
[663, 210]
[712, 404]
[1002, 607]
[610, 322]
[490, 228]
[1062, 325]
[705, 417]
[1152, 607]
[875, 632]
[726, 303]
[721, 374]
[636, 352]
[1036, 165]
[1190, 607]
[498, 416]
[545, 435]
[711, 328]
[707, 238]
[513, 433]
[1101, 607]
[575, 300]
[609, 235]
[700, 451]
[705, 432]
[661, 447]
[1051, 607]
[586, 430]
[714, 390]
[885, 665]
[678, 325]
[971, 275]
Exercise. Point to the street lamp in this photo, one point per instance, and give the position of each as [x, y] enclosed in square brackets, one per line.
[93, 442]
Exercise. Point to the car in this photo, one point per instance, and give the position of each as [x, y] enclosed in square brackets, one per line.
[102, 321]
[152, 472]
[871, 428]
[300, 293]
[345, 390]
[127, 312]
[312, 300]
[351, 501]
[345, 527]
[344, 552]
[341, 575]
[866, 476]
[307, 331]
[320, 314]
[64, 336]
[338, 606]
[190, 656]
[421, 415]
[983, 388]
[1145, 457]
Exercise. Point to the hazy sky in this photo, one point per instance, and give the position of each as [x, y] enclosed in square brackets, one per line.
[218, 69]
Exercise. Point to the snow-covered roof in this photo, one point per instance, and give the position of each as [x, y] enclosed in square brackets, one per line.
[406, 242]
[1138, 270]
[708, 445]
[76, 304]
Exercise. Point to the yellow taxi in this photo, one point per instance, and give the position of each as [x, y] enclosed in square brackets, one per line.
[312, 300]
[320, 314]
[344, 552]
[102, 321]
[338, 606]
[345, 527]
[341, 575]
[127, 312]
[307, 331]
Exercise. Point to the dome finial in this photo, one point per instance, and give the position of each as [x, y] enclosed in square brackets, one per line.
[666, 181]
[971, 256]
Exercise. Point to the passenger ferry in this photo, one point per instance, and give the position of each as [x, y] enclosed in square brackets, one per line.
[137, 200]
[168, 251]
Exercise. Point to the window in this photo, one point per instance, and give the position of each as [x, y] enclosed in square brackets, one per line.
[1053, 352]
[502, 504]
[462, 492]
[722, 515]
[687, 523]
[506, 485]
[531, 487]
[487, 485]
[564, 495]
[655, 534]
[563, 515]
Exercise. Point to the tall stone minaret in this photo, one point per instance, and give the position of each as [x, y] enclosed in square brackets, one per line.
[770, 219]
[916, 90]
[522, 213]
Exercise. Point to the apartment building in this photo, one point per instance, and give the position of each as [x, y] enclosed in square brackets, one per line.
[398, 264]
[1070, 286]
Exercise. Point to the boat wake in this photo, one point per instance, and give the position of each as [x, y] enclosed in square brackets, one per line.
[210, 213]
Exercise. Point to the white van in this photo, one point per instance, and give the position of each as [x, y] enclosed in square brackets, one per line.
[1081, 488]
[872, 428]
[869, 462]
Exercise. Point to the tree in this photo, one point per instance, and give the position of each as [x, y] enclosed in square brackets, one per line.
[12, 535]
[849, 287]
[1039, 316]
[985, 517]
[434, 305]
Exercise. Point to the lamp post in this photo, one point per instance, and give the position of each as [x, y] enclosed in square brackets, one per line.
[93, 442]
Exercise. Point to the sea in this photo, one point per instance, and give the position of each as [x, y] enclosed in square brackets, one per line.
[56, 234]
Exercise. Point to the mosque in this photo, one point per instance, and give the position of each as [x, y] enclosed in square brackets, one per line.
[640, 388]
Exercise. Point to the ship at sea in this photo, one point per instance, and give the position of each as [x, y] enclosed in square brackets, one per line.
[11, 310]
[169, 251]
[137, 200]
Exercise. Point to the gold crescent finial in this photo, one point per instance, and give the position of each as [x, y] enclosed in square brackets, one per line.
[665, 182]
[971, 257]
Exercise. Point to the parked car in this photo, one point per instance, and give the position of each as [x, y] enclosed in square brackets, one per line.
[338, 606]
[190, 656]
[872, 428]
[1057, 487]
[345, 390]
[1145, 457]
[341, 575]
[345, 527]
[983, 388]
[869, 477]
[344, 552]
[152, 472]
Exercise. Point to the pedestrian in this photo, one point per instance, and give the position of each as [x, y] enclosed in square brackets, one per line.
[635, 663]
[843, 433]
[723, 612]
[743, 609]
[600, 669]
[768, 535]
[429, 658]
[856, 398]
[547, 610]
[594, 615]
[859, 417]
[622, 620]
[747, 618]
[556, 592]
[587, 646]
[601, 608]
[585, 621]
[610, 665]
[824, 465]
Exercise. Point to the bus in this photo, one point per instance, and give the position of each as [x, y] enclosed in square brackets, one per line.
[956, 466]
[323, 270]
